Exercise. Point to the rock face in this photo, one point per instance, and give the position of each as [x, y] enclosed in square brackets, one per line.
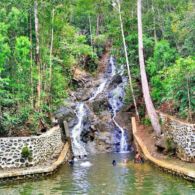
[116, 80]
[166, 145]
[66, 114]
[83, 94]
[81, 77]
[124, 120]
[100, 105]
[161, 143]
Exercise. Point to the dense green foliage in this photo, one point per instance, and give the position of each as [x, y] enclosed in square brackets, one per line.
[74, 33]
[19, 70]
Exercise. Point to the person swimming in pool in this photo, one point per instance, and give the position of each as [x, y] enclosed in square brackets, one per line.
[138, 158]
[114, 162]
[71, 162]
[125, 161]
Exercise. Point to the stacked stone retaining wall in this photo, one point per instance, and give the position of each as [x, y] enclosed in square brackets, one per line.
[40, 149]
[183, 134]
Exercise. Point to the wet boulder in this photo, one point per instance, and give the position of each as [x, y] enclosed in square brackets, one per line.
[70, 101]
[105, 137]
[87, 133]
[65, 113]
[99, 105]
[105, 142]
[93, 84]
[80, 77]
[116, 80]
[83, 94]
[86, 123]
[73, 122]
[105, 116]
[87, 136]
[165, 144]
[102, 126]
[124, 120]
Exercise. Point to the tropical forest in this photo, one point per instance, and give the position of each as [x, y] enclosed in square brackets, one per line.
[97, 97]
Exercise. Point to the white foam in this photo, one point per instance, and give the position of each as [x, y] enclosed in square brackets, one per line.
[78, 146]
[86, 164]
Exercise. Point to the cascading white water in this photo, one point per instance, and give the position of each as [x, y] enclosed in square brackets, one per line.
[77, 145]
[115, 100]
[113, 68]
[104, 80]
[99, 89]
[116, 95]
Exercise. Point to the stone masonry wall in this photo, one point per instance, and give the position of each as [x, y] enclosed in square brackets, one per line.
[42, 148]
[183, 134]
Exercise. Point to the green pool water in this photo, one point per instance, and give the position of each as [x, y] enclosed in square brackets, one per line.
[103, 178]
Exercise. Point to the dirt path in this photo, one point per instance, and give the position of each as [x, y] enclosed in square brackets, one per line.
[104, 59]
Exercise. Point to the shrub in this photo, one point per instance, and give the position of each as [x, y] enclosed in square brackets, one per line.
[146, 121]
[26, 153]
[179, 85]
[170, 145]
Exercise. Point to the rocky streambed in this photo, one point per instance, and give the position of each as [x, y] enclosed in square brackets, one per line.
[96, 114]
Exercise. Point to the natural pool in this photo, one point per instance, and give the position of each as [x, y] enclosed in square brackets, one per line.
[103, 178]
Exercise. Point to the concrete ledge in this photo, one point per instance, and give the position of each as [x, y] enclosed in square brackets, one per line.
[184, 172]
[32, 171]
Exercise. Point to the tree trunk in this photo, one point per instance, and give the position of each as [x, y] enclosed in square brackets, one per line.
[145, 88]
[127, 60]
[189, 100]
[160, 23]
[154, 22]
[37, 54]
[51, 53]
[90, 30]
[97, 24]
[31, 63]
[91, 36]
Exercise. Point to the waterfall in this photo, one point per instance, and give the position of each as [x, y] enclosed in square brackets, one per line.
[77, 145]
[104, 80]
[116, 97]
[116, 102]
[113, 68]
[99, 89]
